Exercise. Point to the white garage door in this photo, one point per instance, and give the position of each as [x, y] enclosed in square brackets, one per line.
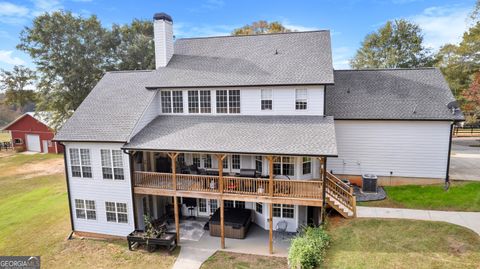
[33, 143]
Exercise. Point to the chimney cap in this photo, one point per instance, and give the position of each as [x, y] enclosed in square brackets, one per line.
[162, 16]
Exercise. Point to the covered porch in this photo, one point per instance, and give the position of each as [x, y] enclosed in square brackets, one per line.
[201, 157]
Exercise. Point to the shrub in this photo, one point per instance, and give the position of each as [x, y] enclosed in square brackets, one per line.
[308, 249]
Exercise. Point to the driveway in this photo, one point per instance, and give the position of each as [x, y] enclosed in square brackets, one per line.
[465, 160]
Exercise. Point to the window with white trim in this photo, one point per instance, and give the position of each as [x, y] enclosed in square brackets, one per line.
[112, 164]
[306, 165]
[301, 99]
[207, 161]
[284, 166]
[234, 204]
[172, 101]
[116, 212]
[80, 164]
[85, 209]
[202, 205]
[283, 211]
[258, 164]
[267, 100]
[213, 203]
[235, 161]
[259, 208]
[228, 101]
[18, 141]
[199, 101]
[225, 162]
[196, 160]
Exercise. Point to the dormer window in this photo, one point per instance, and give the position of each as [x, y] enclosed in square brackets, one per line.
[228, 101]
[267, 102]
[172, 101]
[199, 102]
[301, 99]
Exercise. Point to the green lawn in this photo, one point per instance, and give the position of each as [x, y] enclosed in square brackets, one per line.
[228, 260]
[34, 220]
[375, 243]
[462, 196]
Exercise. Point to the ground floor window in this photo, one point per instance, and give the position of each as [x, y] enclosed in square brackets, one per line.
[116, 212]
[202, 205]
[213, 205]
[234, 204]
[85, 209]
[283, 211]
[259, 208]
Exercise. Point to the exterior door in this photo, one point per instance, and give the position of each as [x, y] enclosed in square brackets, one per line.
[33, 143]
[45, 146]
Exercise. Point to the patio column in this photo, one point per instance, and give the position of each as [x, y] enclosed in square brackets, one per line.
[270, 223]
[270, 172]
[323, 170]
[173, 157]
[220, 158]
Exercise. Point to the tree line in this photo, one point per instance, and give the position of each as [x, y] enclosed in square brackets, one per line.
[71, 53]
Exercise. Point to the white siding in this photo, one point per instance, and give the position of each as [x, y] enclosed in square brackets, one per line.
[283, 101]
[405, 148]
[101, 190]
[150, 113]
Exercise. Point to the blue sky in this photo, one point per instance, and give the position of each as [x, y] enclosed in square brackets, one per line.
[349, 21]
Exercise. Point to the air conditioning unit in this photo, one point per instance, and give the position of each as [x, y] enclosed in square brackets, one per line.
[369, 183]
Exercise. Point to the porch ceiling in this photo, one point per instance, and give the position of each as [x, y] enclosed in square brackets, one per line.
[276, 135]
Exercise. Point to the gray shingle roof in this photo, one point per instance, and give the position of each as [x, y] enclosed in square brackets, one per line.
[281, 135]
[401, 94]
[111, 110]
[301, 58]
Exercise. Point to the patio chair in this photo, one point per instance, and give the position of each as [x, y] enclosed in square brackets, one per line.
[281, 228]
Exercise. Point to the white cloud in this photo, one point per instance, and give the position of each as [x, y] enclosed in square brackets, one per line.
[42, 6]
[12, 10]
[442, 24]
[6, 57]
[341, 57]
[181, 30]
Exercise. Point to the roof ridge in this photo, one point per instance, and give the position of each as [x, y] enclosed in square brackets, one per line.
[388, 69]
[254, 35]
[129, 71]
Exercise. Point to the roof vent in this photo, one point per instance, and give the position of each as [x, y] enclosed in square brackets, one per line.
[276, 51]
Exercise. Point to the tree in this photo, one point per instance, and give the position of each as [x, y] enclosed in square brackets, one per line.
[133, 45]
[397, 44]
[476, 11]
[71, 54]
[261, 27]
[460, 62]
[472, 97]
[17, 85]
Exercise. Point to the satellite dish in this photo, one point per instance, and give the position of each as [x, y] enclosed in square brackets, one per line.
[453, 105]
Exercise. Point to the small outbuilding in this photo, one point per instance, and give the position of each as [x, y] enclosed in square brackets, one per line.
[32, 132]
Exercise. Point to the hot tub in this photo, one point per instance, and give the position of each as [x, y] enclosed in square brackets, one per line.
[236, 220]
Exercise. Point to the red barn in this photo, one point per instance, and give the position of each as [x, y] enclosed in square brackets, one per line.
[31, 132]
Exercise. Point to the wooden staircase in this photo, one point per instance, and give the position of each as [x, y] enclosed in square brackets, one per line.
[340, 196]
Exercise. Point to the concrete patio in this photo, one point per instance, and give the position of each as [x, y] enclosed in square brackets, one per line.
[194, 252]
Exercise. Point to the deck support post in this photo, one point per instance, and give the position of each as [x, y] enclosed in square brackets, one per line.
[270, 224]
[323, 170]
[270, 159]
[220, 158]
[173, 156]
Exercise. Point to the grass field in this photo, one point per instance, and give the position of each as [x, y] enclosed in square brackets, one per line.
[462, 196]
[374, 243]
[34, 220]
[228, 260]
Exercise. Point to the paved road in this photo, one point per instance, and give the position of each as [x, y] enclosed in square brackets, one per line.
[465, 160]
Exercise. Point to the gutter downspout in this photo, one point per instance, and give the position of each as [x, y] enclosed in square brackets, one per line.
[68, 188]
[447, 175]
[134, 206]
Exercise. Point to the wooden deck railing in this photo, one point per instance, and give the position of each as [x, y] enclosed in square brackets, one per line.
[310, 189]
[340, 191]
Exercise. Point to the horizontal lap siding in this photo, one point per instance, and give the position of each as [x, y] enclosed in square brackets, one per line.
[101, 190]
[407, 148]
[150, 113]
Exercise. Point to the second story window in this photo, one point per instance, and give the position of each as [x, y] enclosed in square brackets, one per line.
[235, 161]
[300, 99]
[228, 101]
[112, 164]
[267, 102]
[258, 164]
[284, 166]
[199, 102]
[307, 165]
[172, 101]
[80, 165]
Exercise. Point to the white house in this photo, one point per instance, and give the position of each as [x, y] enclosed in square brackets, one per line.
[261, 122]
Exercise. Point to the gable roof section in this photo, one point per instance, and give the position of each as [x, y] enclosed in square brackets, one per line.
[273, 59]
[313, 135]
[41, 117]
[111, 110]
[390, 94]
